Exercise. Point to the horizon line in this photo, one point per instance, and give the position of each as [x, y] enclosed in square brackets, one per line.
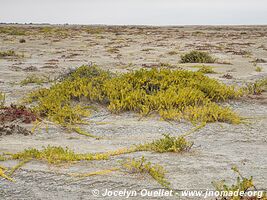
[103, 24]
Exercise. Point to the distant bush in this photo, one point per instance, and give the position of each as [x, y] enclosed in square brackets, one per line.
[172, 53]
[12, 30]
[59, 155]
[239, 190]
[257, 87]
[9, 53]
[258, 69]
[34, 79]
[197, 57]
[22, 40]
[2, 99]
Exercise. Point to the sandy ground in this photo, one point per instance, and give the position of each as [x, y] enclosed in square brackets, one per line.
[217, 147]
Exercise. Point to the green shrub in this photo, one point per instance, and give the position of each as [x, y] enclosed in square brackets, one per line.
[257, 87]
[258, 69]
[9, 53]
[171, 53]
[167, 144]
[58, 32]
[197, 57]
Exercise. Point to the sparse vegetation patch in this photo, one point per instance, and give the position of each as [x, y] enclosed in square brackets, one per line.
[9, 53]
[257, 87]
[34, 79]
[167, 144]
[207, 70]
[197, 57]
[240, 187]
[60, 155]
[13, 31]
[143, 166]
[2, 99]
[3, 175]
[258, 69]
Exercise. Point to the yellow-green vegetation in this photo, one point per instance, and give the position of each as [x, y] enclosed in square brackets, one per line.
[207, 70]
[82, 132]
[113, 50]
[59, 155]
[172, 53]
[3, 175]
[167, 144]
[35, 79]
[258, 69]
[9, 53]
[240, 187]
[12, 30]
[59, 32]
[174, 94]
[257, 87]
[197, 57]
[94, 30]
[19, 165]
[57, 103]
[2, 99]
[100, 172]
[145, 167]
[2, 158]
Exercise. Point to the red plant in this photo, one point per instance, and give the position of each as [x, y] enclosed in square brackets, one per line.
[12, 113]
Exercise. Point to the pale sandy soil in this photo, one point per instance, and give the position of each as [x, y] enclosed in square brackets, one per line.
[217, 148]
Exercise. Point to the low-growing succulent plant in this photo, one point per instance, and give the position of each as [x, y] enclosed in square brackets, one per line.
[167, 144]
[257, 87]
[239, 189]
[174, 94]
[22, 40]
[206, 70]
[143, 166]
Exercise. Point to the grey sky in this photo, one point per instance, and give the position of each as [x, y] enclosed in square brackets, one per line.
[151, 12]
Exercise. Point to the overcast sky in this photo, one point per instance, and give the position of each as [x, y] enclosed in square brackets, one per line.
[148, 12]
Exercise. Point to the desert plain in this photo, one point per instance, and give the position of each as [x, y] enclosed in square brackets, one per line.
[53, 50]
